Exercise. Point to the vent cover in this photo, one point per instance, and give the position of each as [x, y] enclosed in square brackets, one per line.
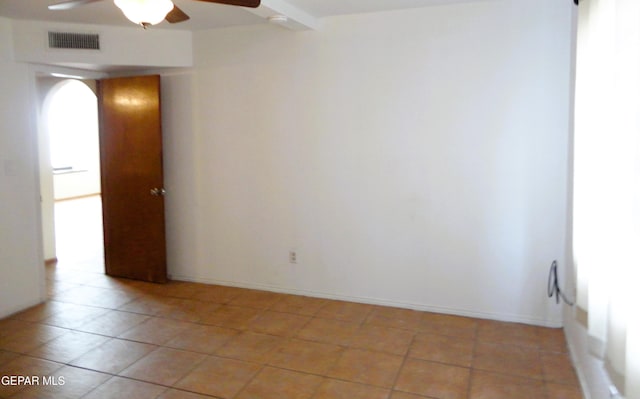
[67, 40]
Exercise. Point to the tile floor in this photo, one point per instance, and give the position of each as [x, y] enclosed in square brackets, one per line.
[115, 338]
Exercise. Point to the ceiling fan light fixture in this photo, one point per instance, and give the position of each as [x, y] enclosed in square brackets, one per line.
[145, 12]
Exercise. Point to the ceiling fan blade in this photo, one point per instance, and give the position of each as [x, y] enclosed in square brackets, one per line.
[176, 15]
[67, 5]
[242, 3]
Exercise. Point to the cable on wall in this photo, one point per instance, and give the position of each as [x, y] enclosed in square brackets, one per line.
[553, 287]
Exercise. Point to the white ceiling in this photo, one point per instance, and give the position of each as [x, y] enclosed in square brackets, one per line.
[206, 15]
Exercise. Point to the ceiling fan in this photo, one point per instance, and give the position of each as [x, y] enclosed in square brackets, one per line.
[151, 12]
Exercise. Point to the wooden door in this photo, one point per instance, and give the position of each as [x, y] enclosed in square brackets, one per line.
[132, 177]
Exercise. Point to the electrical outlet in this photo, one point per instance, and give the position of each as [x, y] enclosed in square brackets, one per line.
[293, 257]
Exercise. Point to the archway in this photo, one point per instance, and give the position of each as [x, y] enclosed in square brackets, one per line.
[70, 125]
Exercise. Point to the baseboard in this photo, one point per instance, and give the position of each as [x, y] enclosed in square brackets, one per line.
[6, 313]
[377, 301]
[577, 365]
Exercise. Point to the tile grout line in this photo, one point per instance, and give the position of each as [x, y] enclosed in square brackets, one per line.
[404, 361]
[476, 338]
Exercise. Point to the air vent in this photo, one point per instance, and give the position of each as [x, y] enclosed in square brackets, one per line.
[67, 40]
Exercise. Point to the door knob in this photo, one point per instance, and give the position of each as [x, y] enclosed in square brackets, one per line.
[158, 192]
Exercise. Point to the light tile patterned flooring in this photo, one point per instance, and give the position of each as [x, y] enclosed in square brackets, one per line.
[116, 338]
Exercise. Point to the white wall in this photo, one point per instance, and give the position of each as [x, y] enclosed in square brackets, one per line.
[120, 47]
[414, 158]
[21, 268]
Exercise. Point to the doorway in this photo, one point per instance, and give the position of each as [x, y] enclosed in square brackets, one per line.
[70, 176]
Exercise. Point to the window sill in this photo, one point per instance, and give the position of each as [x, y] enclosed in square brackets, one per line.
[68, 171]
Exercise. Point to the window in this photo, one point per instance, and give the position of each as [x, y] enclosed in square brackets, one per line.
[607, 184]
[72, 121]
